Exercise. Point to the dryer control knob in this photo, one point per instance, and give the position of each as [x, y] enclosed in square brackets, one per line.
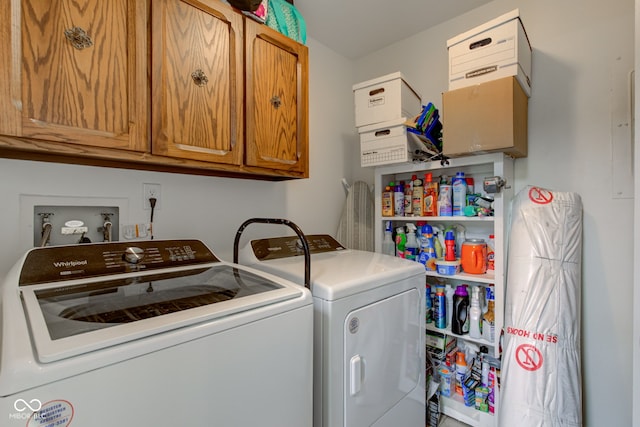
[133, 254]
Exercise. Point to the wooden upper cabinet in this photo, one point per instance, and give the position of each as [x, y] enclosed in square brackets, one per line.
[277, 135]
[76, 72]
[197, 86]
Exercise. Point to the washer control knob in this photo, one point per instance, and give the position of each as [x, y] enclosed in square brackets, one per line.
[133, 254]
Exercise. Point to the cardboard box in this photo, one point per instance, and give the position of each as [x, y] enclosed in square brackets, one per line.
[384, 99]
[496, 49]
[485, 118]
[439, 344]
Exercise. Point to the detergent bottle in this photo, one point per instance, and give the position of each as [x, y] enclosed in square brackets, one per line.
[427, 248]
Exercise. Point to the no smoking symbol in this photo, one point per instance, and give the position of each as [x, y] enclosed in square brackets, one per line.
[528, 357]
[540, 195]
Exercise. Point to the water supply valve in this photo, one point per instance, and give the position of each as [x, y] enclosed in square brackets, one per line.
[493, 184]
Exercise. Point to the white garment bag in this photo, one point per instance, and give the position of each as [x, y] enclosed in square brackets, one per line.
[540, 375]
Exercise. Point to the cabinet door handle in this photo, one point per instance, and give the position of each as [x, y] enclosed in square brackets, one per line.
[78, 38]
[275, 101]
[199, 77]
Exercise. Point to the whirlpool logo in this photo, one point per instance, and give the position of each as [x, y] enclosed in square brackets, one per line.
[67, 264]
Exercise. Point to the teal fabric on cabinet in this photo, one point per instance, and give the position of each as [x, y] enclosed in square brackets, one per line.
[285, 18]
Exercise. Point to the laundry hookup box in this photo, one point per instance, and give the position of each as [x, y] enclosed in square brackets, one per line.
[384, 99]
[496, 49]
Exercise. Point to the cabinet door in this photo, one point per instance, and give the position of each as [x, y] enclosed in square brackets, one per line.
[197, 87]
[76, 72]
[276, 100]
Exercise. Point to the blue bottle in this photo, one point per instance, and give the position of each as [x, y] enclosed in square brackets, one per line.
[427, 248]
[440, 308]
[459, 197]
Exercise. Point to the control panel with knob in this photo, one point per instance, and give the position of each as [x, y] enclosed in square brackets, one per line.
[133, 254]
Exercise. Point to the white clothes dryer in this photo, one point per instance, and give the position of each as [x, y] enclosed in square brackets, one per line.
[159, 333]
[369, 333]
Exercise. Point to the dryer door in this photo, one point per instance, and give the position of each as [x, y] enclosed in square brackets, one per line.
[382, 362]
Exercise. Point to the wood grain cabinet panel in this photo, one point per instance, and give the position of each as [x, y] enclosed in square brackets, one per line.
[186, 86]
[197, 81]
[277, 100]
[76, 72]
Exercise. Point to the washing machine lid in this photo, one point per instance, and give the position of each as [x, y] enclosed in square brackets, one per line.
[72, 317]
[336, 272]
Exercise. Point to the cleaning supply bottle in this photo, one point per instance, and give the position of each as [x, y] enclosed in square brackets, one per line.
[475, 314]
[445, 207]
[398, 199]
[460, 315]
[408, 195]
[461, 370]
[401, 240]
[411, 246]
[417, 201]
[430, 203]
[387, 201]
[491, 253]
[427, 248]
[489, 318]
[388, 246]
[450, 246]
[459, 194]
[438, 245]
[428, 304]
[440, 308]
[449, 293]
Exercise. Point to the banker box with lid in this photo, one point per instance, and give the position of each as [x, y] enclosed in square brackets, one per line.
[496, 49]
[383, 99]
[384, 143]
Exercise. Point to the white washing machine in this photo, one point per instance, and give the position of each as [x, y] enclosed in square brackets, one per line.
[369, 345]
[162, 333]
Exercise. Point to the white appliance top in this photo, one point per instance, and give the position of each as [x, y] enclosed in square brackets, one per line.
[81, 298]
[336, 272]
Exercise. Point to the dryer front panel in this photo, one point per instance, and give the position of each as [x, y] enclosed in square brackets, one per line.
[382, 358]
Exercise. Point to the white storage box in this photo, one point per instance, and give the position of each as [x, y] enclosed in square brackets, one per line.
[390, 142]
[384, 99]
[496, 49]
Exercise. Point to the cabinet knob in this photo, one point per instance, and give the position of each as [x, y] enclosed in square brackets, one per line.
[199, 77]
[275, 101]
[78, 38]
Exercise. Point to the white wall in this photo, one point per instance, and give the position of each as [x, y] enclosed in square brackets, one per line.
[207, 208]
[580, 48]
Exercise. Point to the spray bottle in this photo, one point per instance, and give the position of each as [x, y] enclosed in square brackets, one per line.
[411, 246]
[388, 247]
[401, 240]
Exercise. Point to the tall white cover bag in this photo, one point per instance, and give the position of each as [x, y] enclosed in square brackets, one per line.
[540, 375]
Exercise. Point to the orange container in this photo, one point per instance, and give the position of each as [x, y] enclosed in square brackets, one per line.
[474, 256]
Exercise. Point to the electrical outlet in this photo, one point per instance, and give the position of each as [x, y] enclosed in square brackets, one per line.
[149, 191]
